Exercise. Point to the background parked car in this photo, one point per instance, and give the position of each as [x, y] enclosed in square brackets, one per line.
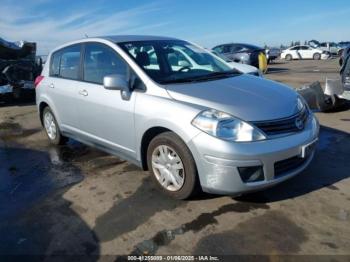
[331, 47]
[344, 44]
[242, 53]
[272, 54]
[18, 69]
[304, 52]
[246, 69]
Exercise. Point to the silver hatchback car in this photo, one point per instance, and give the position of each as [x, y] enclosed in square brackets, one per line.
[195, 126]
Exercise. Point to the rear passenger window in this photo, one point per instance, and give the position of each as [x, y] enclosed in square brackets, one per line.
[235, 49]
[69, 64]
[100, 61]
[219, 49]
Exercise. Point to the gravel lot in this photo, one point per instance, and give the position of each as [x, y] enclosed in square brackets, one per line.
[75, 200]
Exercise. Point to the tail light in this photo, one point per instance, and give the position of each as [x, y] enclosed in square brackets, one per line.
[37, 81]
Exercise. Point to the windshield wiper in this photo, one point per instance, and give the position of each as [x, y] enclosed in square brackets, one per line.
[210, 76]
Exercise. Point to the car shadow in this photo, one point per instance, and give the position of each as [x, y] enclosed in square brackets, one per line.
[329, 166]
[278, 62]
[12, 102]
[35, 218]
[276, 70]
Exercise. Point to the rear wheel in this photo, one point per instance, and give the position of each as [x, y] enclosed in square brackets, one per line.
[51, 127]
[317, 56]
[289, 57]
[172, 166]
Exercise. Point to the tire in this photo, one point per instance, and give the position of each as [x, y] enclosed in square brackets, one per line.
[188, 175]
[58, 138]
[317, 56]
[289, 57]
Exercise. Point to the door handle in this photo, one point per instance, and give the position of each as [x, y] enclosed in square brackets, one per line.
[52, 85]
[83, 92]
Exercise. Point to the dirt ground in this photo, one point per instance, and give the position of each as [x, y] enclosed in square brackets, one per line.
[75, 200]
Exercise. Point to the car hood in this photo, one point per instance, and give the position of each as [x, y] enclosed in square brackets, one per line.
[247, 97]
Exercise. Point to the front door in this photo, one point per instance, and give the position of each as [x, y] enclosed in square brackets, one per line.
[105, 118]
[306, 52]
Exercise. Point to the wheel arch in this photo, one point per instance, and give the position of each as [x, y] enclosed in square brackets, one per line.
[146, 140]
[42, 106]
[153, 131]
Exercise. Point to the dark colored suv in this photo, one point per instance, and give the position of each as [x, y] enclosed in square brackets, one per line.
[241, 53]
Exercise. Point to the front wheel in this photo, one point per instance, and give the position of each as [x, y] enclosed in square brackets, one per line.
[51, 127]
[172, 166]
[317, 56]
[289, 57]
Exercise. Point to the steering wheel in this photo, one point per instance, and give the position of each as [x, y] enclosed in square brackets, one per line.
[184, 68]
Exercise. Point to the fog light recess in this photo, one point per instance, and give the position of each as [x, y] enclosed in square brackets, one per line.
[251, 173]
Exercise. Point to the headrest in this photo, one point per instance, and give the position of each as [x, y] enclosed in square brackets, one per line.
[142, 59]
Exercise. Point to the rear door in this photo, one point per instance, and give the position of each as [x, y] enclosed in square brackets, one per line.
[105, 118]
[62, 85]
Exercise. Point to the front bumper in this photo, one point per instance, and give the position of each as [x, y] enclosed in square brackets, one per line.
[325, 56]
[218, 160]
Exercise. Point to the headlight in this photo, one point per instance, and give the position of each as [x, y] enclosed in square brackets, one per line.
[225, 126]
[300, 104]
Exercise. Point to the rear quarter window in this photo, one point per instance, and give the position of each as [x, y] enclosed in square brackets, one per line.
[69, 62]
[65, 63]
[55, 64]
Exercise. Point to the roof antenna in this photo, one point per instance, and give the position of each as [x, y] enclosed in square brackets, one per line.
[86, 36]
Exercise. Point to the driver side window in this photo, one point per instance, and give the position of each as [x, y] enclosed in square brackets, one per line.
[101, 60]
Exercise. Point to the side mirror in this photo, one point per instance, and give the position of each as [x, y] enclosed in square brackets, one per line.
[115, 82]
[118, 82]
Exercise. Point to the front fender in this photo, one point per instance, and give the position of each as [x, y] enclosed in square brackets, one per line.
[169, 113]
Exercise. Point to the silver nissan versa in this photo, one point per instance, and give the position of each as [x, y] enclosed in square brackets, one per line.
[194, 125]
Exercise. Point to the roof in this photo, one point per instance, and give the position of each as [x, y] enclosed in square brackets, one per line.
[241, 44]
[131, 38]
[115, 39]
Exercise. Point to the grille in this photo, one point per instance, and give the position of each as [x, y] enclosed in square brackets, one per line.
[284, 125]
[290, 164]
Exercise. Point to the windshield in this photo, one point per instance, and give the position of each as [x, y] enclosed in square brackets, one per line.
[176, 61]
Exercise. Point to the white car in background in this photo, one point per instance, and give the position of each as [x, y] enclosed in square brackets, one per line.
[304, 52]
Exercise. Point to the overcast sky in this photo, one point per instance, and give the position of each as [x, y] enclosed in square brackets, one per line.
[51, 23]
